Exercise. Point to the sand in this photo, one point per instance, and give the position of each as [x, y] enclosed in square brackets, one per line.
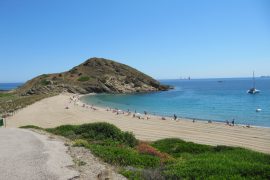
[52, 112]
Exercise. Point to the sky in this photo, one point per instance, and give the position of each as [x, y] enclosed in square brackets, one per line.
[166, 39]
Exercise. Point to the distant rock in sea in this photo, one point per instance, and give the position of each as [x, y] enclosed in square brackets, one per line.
[96, 75]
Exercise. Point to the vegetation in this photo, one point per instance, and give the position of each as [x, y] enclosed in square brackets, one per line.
[5, 95]
[166, 158]
[96, 132]
[31, 127]
[45, 82]
[83, 79]
[11, 102]
[94, 75]
[195, 161]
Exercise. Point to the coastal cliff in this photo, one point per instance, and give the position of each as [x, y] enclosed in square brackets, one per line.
[95, 75]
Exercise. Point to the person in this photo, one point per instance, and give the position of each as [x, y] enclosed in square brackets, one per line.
[233, 122]
[174, 117]
[193, 120]
[227, 122]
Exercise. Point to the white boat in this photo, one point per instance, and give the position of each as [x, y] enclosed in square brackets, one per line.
[258, 110]
[253, 90]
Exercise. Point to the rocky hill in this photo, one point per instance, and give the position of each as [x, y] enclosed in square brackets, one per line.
[94, 75]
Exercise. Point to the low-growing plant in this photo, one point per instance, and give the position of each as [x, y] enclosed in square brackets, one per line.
[65, 130]
[31, 127]
[124, 156]
[145, 148]
[176, 147]
[225, 165]
[134, 175]
[44, 82]
[80, 143]
[146, 161]
[94, 132]
[5, 94]
[83, 78]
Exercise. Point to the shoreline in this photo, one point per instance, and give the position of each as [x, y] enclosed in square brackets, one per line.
[53, 112]
[171, 117]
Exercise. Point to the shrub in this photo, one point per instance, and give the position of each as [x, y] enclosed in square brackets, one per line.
[124, 156]
[129, 139]
[225, 165]
[30, 127]
[102, 131]
[44, 76]
[45, 82]
[95, 131]
[65, 130]
[80, 143]
[83, 79]
[134, 175]
[176, 147]
[145, 148]
[98, 131]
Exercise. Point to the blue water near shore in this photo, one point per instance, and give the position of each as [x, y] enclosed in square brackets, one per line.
[209, 99]
[9, 86]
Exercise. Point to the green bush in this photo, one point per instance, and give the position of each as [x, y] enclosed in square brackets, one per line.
[103, 131]
[176, 147]
[80, 143]
[31, 127]
[83, 79]
[4, 95]
[232, 164]
[95, 131]
[191, 161]
[124, 156]
[65, 130]
[44, 82]
[134, 175]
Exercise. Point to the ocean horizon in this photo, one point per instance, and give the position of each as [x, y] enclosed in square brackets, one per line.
[9, 86]
[216, 99]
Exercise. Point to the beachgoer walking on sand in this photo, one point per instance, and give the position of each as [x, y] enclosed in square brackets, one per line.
[233, 122]
[174, 117]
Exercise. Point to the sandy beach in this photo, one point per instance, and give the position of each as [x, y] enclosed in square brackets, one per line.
[52, 112]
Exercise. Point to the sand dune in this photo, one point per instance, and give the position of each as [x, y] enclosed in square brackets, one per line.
[51, 112]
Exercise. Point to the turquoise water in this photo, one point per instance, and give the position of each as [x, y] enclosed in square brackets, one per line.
[200, 99]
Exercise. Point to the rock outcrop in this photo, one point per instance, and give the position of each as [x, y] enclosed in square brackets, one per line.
[96, 75]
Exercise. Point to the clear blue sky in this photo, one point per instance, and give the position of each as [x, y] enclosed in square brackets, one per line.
[163, 38]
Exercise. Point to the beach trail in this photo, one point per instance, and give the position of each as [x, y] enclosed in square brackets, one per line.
[52, 112]
[28, 155]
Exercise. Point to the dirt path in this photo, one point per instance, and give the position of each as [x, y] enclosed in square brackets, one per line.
[28, 155]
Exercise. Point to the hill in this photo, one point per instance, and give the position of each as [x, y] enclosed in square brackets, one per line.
[96, 75]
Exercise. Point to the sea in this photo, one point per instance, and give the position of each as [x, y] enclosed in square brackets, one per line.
[202, 99]
[9, 86]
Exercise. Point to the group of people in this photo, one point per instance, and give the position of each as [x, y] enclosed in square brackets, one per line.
[75, 100]
[230, 124]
